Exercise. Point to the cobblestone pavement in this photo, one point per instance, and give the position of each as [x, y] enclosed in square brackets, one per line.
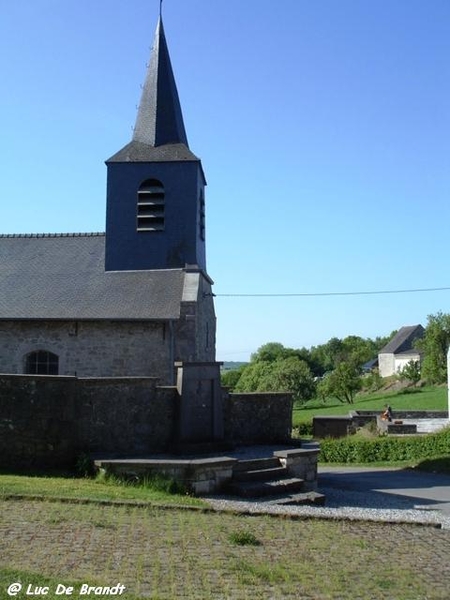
[173, 553]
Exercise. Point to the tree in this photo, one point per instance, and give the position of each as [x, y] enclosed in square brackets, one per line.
[282, 375]
[229, 379]
[291, 375]
[269, 352]
[352, 349]
[411, 371]
[252, 375]
[343, 383]
[434, 345]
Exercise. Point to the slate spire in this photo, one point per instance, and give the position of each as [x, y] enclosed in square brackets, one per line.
[160, 120]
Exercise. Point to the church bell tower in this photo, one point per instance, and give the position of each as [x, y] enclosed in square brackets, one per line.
[155, 217]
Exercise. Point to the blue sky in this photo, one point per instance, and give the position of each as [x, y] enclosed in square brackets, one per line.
[323, 129]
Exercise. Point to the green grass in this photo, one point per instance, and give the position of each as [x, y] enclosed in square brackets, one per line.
[98, 489]
[51, 588]
[426, 398]
[166, 554]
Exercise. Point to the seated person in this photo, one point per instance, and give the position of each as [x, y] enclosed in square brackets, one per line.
[386, 415]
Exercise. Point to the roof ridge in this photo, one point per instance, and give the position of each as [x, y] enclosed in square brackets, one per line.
[51, 235]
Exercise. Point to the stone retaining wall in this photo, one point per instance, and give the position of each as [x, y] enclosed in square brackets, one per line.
[49, 421]
[342, 425]
[258, 418]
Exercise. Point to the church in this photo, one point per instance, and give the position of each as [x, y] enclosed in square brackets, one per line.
[137, 298]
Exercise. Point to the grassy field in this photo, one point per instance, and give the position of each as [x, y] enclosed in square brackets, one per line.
[91, 489]
[186, 554]
[427, 398]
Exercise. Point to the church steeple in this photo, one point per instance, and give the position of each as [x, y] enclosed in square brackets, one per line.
[160, 120]
[155, 217]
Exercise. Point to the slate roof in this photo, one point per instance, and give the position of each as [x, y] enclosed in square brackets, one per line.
[62, 276]
[159, 134]
[403, 340]
[140, 152]
[160, 120]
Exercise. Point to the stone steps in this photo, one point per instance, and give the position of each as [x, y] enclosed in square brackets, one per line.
[261, 474]
[262, 477]
[254, 464]
[258, 489]
[301, 499]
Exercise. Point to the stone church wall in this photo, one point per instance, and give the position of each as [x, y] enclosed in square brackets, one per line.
[91, 349]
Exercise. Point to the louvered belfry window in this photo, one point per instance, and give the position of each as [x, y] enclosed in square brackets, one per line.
[150, 206]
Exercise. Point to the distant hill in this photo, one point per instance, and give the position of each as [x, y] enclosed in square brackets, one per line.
[230, 365]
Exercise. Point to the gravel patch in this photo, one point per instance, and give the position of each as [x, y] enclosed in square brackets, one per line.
[367, 505]
[348, 505]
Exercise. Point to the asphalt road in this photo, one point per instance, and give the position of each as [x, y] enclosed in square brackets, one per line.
[428, 491]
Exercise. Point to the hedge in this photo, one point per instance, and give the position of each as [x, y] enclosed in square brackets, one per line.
[385, 448]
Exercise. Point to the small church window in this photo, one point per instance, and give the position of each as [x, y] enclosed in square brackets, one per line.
[150, 206]
[41, 362]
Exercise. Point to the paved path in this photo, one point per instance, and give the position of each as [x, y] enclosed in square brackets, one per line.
[428, 491]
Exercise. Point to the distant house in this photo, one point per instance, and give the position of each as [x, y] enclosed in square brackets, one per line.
[400, 350]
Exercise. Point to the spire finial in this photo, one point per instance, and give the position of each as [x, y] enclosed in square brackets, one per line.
[160, 7]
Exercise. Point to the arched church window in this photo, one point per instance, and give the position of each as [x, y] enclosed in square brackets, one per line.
[150, 206]
[41, 362]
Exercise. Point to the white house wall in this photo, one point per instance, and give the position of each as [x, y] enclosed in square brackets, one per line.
[386, 364]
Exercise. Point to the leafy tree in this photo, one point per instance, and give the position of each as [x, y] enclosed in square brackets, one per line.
[252, 375]
[411, 371]
[435, 344]
[229, 379]
[328, 355]
[269, 352]
[343, 383]
[291, 375]
[283, 375]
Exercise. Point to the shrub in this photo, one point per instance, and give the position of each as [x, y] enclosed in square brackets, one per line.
[385, 448]
[372, 382]
[305, 428]
[411, 371]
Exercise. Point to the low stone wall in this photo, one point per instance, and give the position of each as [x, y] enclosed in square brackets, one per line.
[200, 475]
[332, 426]
[342, 425]
[400, 414]
[301, 463]
[258, 418]
[48, 422]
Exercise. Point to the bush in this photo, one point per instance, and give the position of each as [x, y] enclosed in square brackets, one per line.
[385, 449]
[372, 382]
[305, 428]
[411, 371]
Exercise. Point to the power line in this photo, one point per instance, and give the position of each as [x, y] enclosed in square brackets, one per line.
[317, 294]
